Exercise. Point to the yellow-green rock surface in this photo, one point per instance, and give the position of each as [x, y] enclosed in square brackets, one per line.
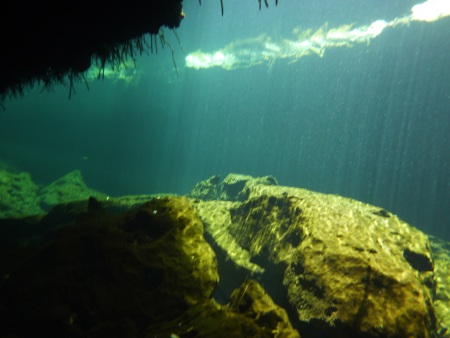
[18, 195]
[250, 313]
[104, 273]
[71, 187]
[139, 266]
[350, 269]
[441, 255]
[145, 272]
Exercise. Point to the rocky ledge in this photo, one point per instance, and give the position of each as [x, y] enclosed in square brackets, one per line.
[242, 257]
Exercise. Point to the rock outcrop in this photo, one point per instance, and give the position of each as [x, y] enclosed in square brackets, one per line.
[139, 266]
[251, 300]
[21, 197]
[71, 187]
[147, 272]
[441, 256]
[234, 187]
[249, 313]
[18, 195]
[348, 269]
[104, 274]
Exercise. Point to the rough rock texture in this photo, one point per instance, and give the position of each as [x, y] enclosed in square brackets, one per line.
[349, 269]
[252, 300]
[250, 313]
[340, 268]
[441, 256]
[110, 275]
[18, 195]
[147, 272]
[21, 197]
[234, 187]
[206, 190]
[71, 187]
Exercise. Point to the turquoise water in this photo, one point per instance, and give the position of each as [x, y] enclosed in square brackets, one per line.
[369, 122]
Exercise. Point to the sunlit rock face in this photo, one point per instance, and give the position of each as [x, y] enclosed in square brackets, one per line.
[348, 269]
[140, 266]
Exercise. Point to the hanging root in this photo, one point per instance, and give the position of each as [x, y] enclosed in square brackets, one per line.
[165, 42]
[266, 2]
[173, 58]
[162, 38]
[85, 81]
[71, 87]
[178, 39]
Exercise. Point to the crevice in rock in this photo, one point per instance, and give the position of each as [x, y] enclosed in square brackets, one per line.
[417, 261]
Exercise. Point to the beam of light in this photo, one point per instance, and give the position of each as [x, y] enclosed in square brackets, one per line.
[265, 50]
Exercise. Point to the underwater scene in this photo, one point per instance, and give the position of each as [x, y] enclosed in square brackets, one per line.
[267, 169]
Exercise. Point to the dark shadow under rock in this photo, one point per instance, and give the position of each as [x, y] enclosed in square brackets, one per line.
[107, 274]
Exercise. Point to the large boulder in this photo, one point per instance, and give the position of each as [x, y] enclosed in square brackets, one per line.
[348, 269]
[110, 275]
[145, 272]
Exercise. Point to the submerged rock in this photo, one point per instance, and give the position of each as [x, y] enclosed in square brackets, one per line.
[234, 187]
[139, 266]
[348, 269]
[21, 197]
[108, 273]
[147, 272]
[249, 313]
[441, 255]
[253, 301]
[71, 187]
[18, 195]
[206, 190]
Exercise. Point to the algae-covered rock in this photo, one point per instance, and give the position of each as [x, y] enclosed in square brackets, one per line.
[111, 275]
[71, 187]
[234, 187]
[127, 202]
[349, 269]
[206, 190]
[147, 272]
[441, 256]
[339, 267]
[18, 195]
[253, 301]
[250, 313]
